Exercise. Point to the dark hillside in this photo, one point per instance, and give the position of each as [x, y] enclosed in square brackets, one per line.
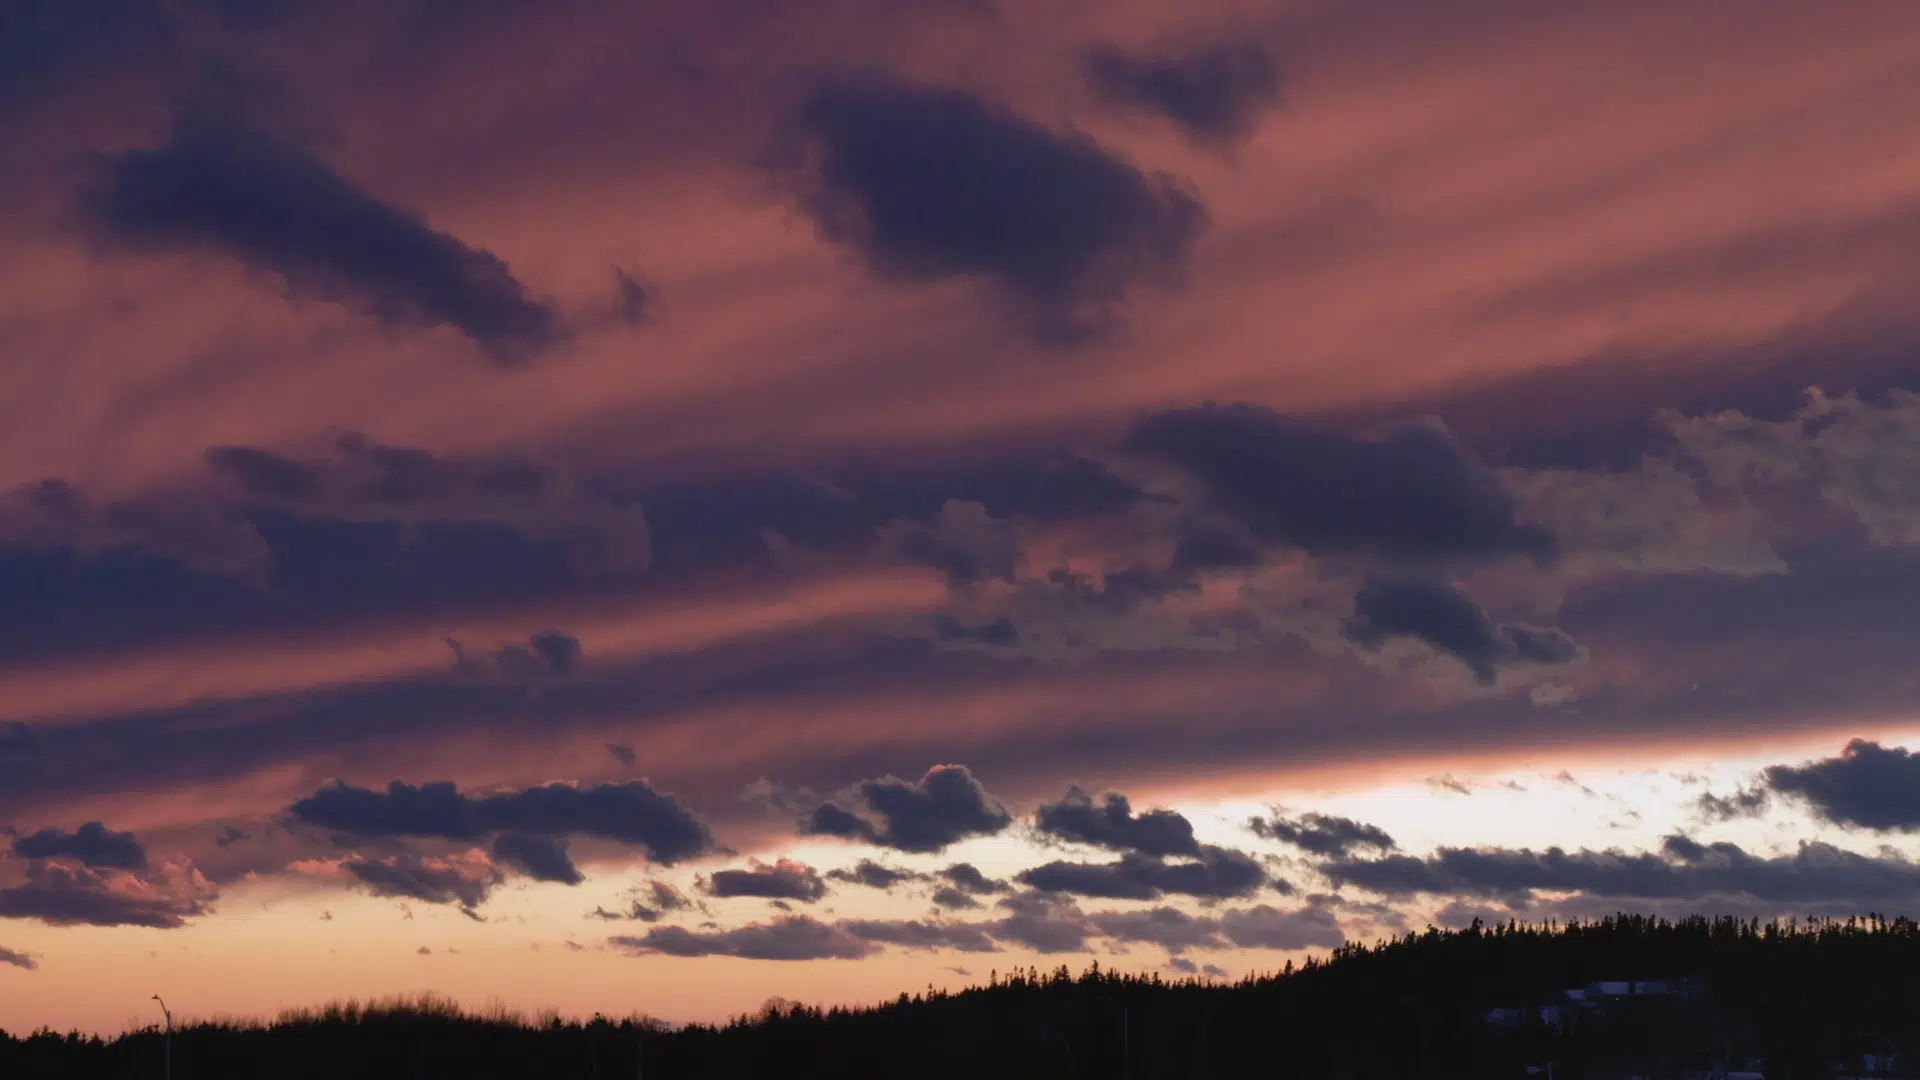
[1660, 999]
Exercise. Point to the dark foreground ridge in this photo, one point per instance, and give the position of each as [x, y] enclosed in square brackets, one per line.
[1616, 998]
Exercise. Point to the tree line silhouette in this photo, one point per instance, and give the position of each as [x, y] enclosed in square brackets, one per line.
[1802, 996]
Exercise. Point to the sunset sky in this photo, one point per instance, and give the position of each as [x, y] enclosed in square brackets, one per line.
[651, 505]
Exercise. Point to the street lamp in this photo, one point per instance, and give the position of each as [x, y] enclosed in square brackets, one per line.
[167, 1060]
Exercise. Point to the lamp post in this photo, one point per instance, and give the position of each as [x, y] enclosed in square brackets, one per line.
[166, 1067]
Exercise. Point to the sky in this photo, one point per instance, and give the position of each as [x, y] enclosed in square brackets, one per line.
[651, 506]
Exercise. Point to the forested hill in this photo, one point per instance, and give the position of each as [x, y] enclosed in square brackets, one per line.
[1801, 999]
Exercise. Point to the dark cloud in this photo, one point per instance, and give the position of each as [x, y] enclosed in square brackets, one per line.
[931, 183]
[783, 880]
[265, 473]
[366, 481]
[542, 858]
[943, 807]
[1264, 927]
[53, 516]
[828, 819]
[635, 298]
[1411, 493]
[1214, 92]
[1817, 876]
[1441, 616]
[656, 900]
[623, 754]
[953, 899]
[407, 876]
[1868, 786]
[726, 522]
[1000, 632]
[1170, 928]
[967, 878]
[629, 813]
[92, 844]
[1042, 922]
[1744, 803]
[922, 935]
[1321, 834]
[547, 654]
[875, 876]
[44, 46]
[21, 960]
[220, 185]
[1113, 824]
[1258, 927]
[77, 896]
[1218, 874]
[965, 543]
[790, 937]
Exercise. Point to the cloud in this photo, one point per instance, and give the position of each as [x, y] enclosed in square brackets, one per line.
[547, 654]
[220, 185]
[265, 473]
[1214, 92]
[943, 807]
[1321, 834]
[875, 876]
[54, 515]
[967, 878]
[964, 883]
[1258, 927]
[790, 937]
[466, 881]
[922, 935]
[1868, 786]
[1266, 927]
[92, 844]
[782, 880]
[1218, 874]
[21, 960]
[629, 813]
[656, 899]
[1744, 803]
[1114, 825]
[964, 543]
[542, 858]
[1441, 616]
[1170, 928]
[364, 480]
[46, 47]
[78, 896]
[635, 296]
[1858, 453]
[623, 754]
[931, 183]
[999, 633]
[1816, 876]
[1042, 922]
[1410, 493]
